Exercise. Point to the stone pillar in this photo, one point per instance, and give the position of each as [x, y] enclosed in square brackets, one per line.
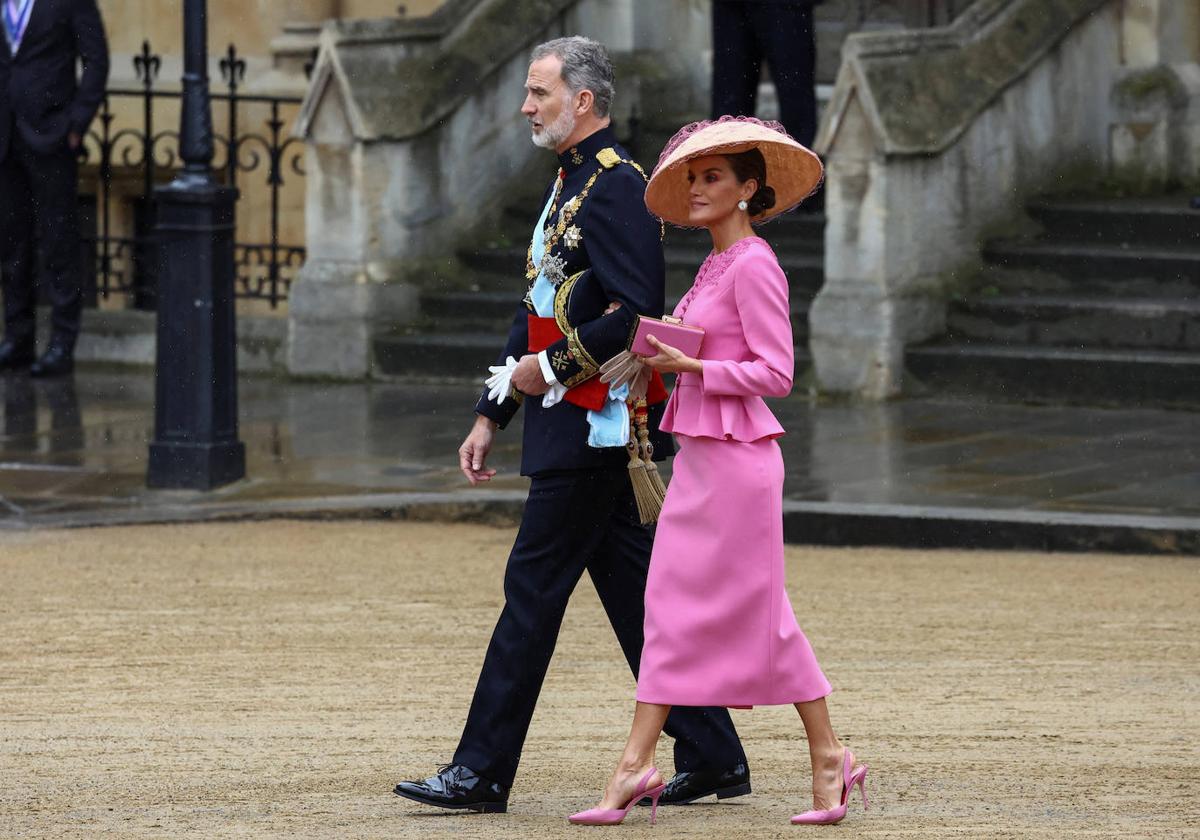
[875, 299]
[1155, 140]
[678, 34]
[342, 295]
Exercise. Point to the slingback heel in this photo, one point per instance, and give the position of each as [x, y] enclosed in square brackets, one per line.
[850, 778]
[614, 816]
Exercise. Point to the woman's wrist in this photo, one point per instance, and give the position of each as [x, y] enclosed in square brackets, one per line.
[697, 367]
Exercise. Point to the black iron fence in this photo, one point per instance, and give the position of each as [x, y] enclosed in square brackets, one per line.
[131, 159]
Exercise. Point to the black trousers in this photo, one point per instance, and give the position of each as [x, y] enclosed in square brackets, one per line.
[745, 35]
[38, 197]
[573, 521]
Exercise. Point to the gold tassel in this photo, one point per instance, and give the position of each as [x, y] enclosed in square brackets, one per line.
[648, 503]
[648, 487]
[651, 468]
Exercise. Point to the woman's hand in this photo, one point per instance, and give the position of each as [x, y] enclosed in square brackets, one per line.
[670, 359]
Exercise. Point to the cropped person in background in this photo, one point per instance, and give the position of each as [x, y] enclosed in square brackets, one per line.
[780, 32]
[45, 111]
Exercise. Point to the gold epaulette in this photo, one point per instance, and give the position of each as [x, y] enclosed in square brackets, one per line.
[608, 157]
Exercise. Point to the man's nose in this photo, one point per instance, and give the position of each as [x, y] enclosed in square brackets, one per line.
[528, 108]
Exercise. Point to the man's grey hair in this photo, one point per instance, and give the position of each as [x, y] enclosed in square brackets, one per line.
[585, 66]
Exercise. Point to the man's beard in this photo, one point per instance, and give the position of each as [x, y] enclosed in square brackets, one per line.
[552, 136]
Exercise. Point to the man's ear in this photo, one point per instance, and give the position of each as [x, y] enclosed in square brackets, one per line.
[584, 101]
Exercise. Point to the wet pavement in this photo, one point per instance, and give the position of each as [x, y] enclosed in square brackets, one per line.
[73, 452]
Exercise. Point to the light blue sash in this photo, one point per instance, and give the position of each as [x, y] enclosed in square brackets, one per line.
[610, 425]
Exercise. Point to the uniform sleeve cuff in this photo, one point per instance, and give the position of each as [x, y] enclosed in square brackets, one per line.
[547, 371]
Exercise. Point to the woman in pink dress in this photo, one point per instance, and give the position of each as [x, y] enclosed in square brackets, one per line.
[719, 627]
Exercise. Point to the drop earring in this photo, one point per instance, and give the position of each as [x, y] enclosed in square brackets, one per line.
[742, 205]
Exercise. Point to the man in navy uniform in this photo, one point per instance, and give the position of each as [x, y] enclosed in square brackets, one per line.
[44, 115]
[595, 262]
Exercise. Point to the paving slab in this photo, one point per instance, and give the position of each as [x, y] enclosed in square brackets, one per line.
[932, 472]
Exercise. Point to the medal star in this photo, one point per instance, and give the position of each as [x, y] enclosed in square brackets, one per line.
[572, 237]
[554, 269]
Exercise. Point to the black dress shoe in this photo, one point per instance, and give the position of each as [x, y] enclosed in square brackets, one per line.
[15, 354]
[57, 361]
[685, 788]
[458, 787]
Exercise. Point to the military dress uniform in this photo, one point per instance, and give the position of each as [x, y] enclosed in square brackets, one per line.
[601, 245]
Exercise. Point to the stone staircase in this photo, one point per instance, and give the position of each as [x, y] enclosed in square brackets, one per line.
[461, 332]
[1102, 307]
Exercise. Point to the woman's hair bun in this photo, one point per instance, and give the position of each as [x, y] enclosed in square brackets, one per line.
[762, 200]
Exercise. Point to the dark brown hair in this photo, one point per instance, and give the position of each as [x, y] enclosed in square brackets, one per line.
[747, 165]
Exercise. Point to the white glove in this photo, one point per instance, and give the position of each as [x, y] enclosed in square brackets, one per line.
[500, 382]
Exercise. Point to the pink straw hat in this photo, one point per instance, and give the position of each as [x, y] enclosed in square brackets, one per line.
[793, 171]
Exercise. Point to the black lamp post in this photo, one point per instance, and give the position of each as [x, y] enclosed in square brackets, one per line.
[196, 442]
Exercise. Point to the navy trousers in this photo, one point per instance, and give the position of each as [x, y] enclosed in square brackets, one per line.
[747, 34]
[573, 521]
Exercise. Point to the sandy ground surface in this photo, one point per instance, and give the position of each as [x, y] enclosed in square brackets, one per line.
[276, 680]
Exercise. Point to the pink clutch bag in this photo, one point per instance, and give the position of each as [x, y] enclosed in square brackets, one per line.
[668, 330]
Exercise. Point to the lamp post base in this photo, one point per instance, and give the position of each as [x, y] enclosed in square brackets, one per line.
[195, 466]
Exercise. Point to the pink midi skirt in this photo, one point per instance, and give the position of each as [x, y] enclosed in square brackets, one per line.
[720, 630]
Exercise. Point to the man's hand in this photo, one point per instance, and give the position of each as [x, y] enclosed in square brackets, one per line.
[527, 378]
[472, 455]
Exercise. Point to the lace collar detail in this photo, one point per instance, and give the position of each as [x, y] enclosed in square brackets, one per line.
[714, 267]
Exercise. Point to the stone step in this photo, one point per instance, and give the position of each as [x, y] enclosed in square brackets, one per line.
[492, 313]
[791, 232]
[447, 355]
[496, 269]
[1078, 321]
[996, 281]
[1152, 221]
[1054, 374]
[1104, 260]
[797, 230]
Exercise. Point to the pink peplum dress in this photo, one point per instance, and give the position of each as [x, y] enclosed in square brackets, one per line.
[720, 629]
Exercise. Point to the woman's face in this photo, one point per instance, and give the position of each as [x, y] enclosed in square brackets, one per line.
[715, 190]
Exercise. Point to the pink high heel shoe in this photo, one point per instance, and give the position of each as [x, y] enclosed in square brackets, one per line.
[849, 780]
[613, 816]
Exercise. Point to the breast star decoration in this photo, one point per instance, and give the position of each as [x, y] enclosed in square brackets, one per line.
[554, 269]
[572, 237]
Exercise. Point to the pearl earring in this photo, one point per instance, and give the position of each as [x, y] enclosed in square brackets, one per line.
[742, 205]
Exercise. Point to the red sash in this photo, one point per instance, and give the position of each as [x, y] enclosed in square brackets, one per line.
[591, 394]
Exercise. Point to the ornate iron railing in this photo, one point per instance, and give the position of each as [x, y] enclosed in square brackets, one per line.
[126, 262]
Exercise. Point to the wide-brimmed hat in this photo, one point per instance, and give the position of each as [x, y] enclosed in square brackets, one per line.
[793, 171]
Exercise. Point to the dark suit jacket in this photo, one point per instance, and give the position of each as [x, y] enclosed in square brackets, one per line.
[39, 94]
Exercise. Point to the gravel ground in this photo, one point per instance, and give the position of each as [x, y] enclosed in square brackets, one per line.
[276, 679]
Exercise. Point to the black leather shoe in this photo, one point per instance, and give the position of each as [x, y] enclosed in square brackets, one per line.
[685, 788]
[458, 787]
[57, 361]
[15, 355]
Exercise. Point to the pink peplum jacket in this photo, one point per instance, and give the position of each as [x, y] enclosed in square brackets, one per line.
[740, 298]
